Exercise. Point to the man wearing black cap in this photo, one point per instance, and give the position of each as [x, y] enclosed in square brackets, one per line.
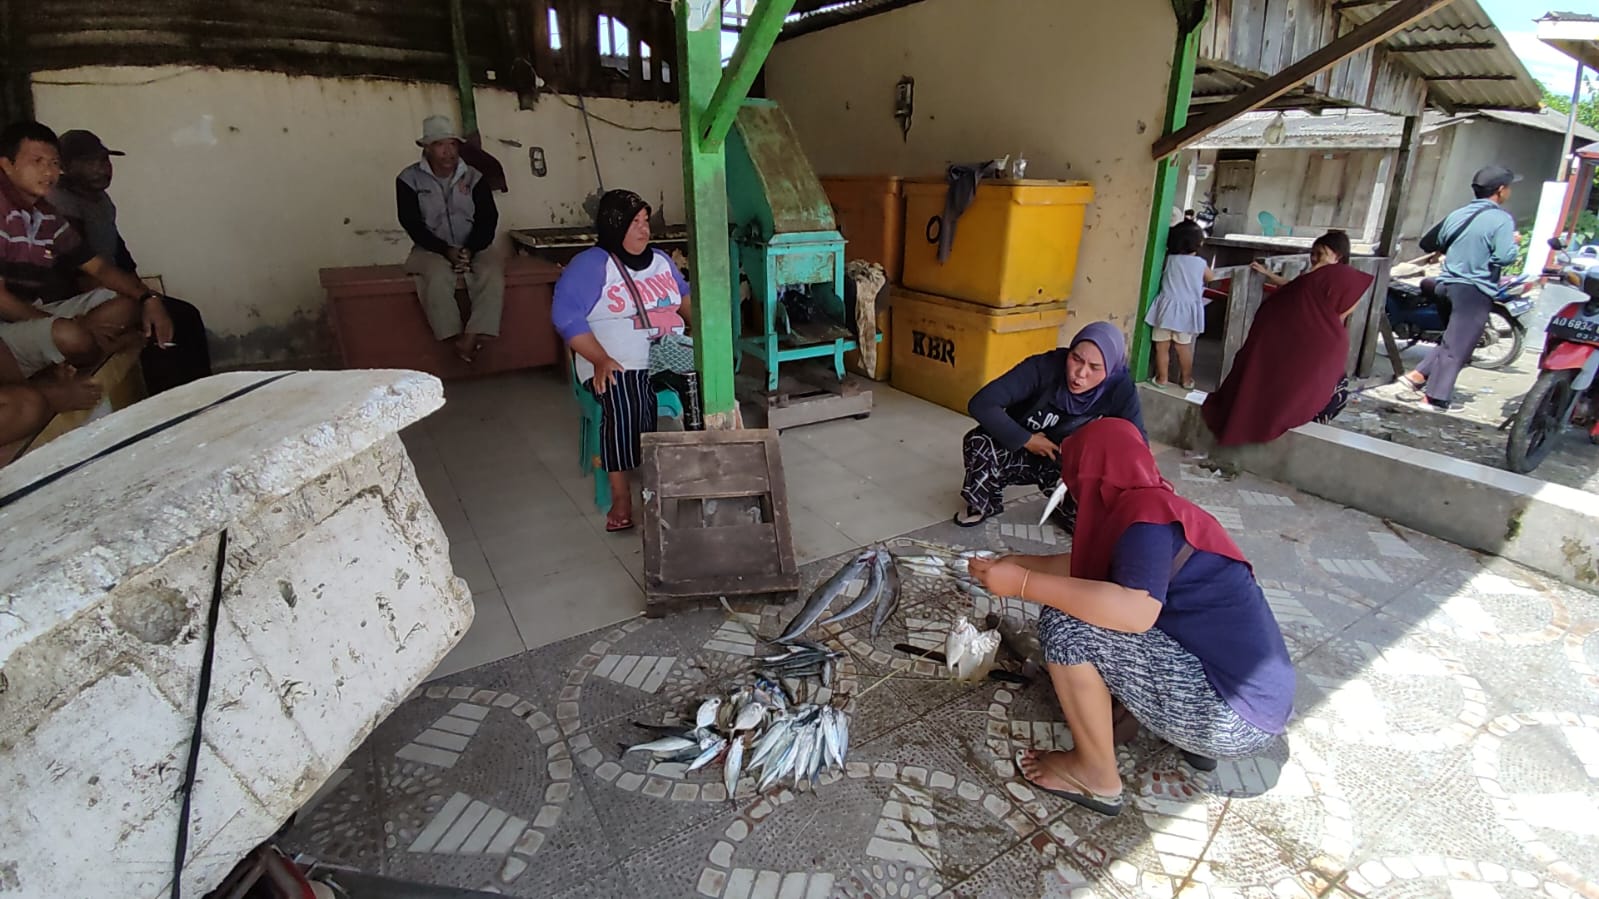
[1478, 240]
[81, 197]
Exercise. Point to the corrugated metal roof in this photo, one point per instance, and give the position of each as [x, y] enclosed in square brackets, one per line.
[1461, 79]
[1360, 129]
[1457, 79]
[1574, 34]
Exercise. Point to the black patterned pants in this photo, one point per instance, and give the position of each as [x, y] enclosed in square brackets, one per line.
[990, 468]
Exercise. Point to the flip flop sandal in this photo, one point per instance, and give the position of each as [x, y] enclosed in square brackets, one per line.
[1188, 385]
[1109, 806]
[613, 527]
[961, 521]
[1410, 385]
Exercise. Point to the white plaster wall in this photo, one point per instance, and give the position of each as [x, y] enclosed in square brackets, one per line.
[239, 186]
[1078, 87]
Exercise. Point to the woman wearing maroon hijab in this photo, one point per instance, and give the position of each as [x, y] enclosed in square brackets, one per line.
[1290, 369]
[1154, 609]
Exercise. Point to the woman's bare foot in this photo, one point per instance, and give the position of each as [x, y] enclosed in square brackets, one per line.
[620, 518]
[1061, 770]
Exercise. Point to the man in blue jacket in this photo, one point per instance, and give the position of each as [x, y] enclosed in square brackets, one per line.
[1478, 240]
[1024, 414]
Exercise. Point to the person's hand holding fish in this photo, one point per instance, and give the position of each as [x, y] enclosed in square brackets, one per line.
[1001, 577]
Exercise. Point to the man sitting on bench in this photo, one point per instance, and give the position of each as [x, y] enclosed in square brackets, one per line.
[447, 207]
[77, 332]
[81, 197]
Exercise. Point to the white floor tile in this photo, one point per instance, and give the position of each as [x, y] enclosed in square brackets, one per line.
[467, 558]
[599, 593]
[552, 547]
[492, 636]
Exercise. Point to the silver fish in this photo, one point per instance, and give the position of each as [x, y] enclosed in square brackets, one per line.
[716, 748]
[823, 597]
[933, 562]
[785, 761]
[665, 745]
[869, 593]
[887, 601]
[771, 741]
[706, 715]
[733, 767]
[803, 759]
[830, 735]
[841, 721]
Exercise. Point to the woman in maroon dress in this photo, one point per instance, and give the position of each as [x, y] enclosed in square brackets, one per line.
[1291, 367]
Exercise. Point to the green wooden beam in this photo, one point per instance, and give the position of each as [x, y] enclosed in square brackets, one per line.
[1178, 95]
[698, 72]
[463, 68]
[756, 41]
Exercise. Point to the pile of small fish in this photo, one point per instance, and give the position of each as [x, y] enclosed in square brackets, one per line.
[757, 727]
[881, 591]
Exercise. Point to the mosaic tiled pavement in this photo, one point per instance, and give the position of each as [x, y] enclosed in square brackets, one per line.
[1446, 744]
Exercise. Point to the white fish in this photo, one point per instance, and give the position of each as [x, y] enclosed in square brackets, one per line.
[665, 744]
[961, 635]
[1055, 499]
[733, 767]
[978, 658]
[706, 716]
[749, 717]
[784, 762]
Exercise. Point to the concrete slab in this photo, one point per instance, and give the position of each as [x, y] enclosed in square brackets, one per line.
[338, 597]
[1547, 527]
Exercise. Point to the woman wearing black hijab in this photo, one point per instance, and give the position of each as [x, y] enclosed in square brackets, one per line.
[613, 303]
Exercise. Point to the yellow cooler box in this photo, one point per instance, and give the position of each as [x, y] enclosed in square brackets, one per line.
[944, 350]
[1016, 245]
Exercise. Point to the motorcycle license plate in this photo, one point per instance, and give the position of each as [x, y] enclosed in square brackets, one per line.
[1582, 330]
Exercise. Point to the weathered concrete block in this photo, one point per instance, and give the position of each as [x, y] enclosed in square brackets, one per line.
[338, 598]
[1547, 527]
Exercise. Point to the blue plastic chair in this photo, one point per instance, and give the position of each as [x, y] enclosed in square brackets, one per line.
[667, 405]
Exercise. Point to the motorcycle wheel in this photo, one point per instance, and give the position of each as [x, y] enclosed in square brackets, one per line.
[1539, 420]
[1501, 342]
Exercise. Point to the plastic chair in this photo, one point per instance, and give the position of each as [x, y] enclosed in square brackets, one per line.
[667, 405]
[1271, 227]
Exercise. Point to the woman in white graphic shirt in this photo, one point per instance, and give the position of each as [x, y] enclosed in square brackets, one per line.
[614, 303]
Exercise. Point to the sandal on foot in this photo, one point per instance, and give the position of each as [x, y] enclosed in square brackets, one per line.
[1109, 806]
[966, 519]
[1196, 761]
[1189, 385]
[1410, 385]
[615, 525]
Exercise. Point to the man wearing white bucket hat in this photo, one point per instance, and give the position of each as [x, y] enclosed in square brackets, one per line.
[447, 208]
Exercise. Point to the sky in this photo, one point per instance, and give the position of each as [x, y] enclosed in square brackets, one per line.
[1515, 18]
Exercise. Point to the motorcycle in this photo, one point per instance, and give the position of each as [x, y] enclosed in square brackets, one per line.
[1418, 312]
[1566, 393]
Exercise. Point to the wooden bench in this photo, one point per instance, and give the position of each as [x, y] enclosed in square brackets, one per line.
[377, 321]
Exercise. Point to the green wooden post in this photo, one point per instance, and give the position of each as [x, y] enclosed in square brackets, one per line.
[756, 41]
[1177, 99]
[463, 68]
[699, 70]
